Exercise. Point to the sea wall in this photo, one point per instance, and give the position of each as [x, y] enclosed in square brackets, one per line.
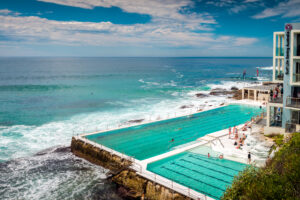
[98, 156]
[139, 187]
[130, 183]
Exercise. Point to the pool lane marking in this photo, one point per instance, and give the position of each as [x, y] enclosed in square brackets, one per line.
[214, 163]
[176, 172]
[207, 167]
[213, 177]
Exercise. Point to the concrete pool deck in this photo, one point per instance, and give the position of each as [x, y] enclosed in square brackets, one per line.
[140, 166]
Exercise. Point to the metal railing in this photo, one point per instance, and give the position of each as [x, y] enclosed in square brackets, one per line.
[296, 77]
[279, 75]
[276, 100]
[293, 102]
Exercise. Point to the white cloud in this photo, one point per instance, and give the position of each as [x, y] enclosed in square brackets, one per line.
[37, 30]
[290, 8]
[242, 41]
[238, 8]
[5, 11]
[8, 12]
[158, 9]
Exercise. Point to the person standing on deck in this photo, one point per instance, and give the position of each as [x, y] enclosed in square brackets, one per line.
[229, 130]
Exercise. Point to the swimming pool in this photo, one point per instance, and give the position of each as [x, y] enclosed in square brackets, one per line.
[148, 140]
[209, 176]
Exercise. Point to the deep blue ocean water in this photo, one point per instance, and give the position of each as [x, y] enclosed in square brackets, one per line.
[44, 101]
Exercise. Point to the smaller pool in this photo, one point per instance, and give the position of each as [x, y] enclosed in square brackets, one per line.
[209, 176]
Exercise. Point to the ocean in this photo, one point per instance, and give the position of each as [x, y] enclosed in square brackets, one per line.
[45, 101]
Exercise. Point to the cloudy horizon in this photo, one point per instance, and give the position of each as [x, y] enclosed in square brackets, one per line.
[142, 28]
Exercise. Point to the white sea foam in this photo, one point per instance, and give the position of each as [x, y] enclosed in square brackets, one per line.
[266, 68]
[227, 85]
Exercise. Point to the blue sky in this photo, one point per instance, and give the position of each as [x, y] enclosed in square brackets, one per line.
[142, 27]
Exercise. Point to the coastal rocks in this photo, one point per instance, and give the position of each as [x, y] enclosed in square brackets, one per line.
[134, 186]
[201, 95]
[234, 88]
[136, 121]
[219, 91]
[186, 106]
[237, 95]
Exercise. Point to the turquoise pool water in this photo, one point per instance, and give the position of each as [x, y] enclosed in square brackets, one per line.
[209, 176]
[148, 140]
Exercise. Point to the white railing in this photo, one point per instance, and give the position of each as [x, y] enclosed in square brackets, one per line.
[151, 119]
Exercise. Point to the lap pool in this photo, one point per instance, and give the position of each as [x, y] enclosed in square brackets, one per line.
[152, 139]
[209, 176]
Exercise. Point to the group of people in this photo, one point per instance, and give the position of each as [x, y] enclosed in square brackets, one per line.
[277, 92]
[239, 141]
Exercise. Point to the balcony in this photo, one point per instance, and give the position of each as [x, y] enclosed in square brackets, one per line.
[279, 76]
[293, 102]
[277, 100]
[279, 51]
[296, 77]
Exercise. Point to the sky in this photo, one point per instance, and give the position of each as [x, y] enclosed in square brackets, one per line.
[221, 28]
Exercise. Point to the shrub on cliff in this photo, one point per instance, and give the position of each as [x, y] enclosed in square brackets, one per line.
[280, 179]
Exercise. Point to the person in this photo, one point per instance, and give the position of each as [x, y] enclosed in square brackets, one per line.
[241, 142]
[257, 72]
[260, 107]
[221, 156]
[244, 74]
[244, 136]
[249, 157]
[236, 136]
[229, 130]
[271, 95]
[208, 155]
[172, 140]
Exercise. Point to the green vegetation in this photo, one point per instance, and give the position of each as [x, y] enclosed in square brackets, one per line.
[280, 179]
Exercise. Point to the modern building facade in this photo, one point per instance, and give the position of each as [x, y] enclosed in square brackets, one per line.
[283, 112]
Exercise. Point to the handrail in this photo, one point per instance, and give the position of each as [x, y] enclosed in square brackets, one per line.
[296, 77]
[276, 100]
[293, 102]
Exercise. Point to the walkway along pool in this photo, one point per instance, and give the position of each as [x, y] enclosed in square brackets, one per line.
[152, 139]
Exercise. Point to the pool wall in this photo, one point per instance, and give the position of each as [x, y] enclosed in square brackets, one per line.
[131, 175]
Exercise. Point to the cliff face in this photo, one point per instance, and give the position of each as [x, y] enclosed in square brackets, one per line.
[131, 185]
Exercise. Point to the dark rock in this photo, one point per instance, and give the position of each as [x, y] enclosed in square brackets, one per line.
[201, 95]
[218, 92]
[186, 106]
[237, 95]
[234, 88]
[136, 121]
